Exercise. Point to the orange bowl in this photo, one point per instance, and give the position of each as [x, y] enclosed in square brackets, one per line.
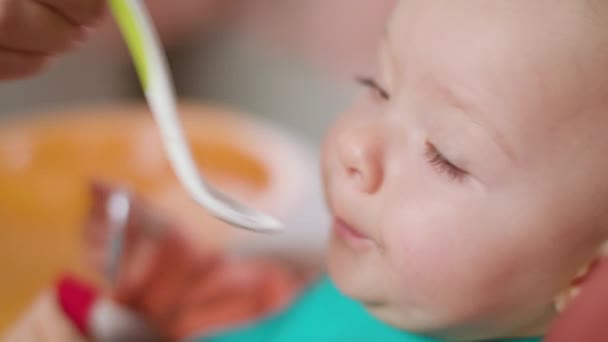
[47, 162]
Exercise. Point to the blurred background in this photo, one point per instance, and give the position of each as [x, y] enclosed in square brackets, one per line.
[287, 64]
[291, 61]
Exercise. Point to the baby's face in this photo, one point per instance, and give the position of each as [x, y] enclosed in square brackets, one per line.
[470, 185]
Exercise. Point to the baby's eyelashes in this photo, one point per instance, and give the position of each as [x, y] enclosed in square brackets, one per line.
[373, 85]
[443, 165]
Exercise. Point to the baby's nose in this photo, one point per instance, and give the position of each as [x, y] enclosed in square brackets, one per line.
[360, 150]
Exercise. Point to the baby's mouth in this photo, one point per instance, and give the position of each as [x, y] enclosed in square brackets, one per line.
[350, 235]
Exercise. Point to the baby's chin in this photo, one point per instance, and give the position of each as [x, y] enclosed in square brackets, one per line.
[466, 322]
[352, 273]
[455, 325]
[427, 324]
[357, 280]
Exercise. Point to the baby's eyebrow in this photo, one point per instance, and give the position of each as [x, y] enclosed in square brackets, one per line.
[469, 109]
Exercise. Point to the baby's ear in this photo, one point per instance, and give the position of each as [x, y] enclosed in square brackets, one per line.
[584, 318]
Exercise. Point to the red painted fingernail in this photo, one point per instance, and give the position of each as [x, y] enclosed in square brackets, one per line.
[76, 299]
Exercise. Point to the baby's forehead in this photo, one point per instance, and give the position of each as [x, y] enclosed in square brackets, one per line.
[539, 11]
[511, 27]
[539, 63]
[544, 49]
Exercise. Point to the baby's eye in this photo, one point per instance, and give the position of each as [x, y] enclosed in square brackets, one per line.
[371, 83]
[442, 165]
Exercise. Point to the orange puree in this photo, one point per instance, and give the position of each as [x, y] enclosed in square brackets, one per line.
[47, 162]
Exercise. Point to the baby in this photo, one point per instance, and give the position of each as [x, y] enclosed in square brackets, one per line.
[468, 182]
[468, 185]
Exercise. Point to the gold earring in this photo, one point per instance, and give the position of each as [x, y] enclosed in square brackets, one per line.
[565, 297]
[562, 300]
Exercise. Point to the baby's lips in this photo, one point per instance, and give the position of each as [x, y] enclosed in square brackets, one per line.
[585, 318]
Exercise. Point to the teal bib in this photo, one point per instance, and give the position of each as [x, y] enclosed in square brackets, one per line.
[323, 314]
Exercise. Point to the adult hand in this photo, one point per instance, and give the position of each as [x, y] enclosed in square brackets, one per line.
[32, 32]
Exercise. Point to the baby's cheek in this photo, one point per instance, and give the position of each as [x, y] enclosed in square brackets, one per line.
[444, 275]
